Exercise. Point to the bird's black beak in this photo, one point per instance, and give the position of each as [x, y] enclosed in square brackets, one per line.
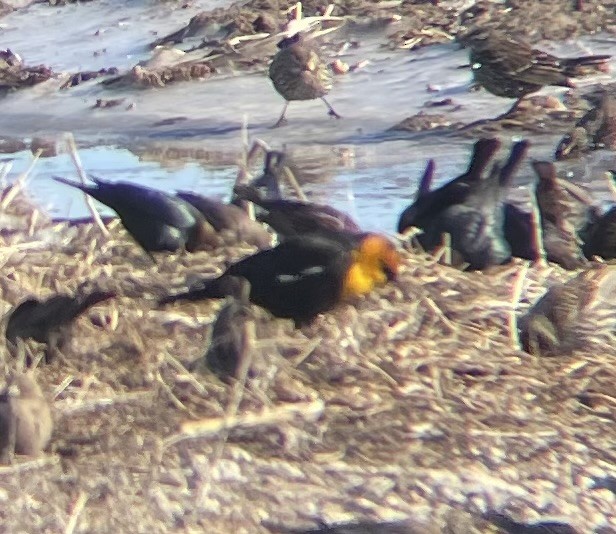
[389, 273]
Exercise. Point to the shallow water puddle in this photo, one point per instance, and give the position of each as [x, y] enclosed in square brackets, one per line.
[374, 195]
[187, 136]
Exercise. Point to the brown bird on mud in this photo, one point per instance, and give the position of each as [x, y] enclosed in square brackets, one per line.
[471, 209]
[298, 73]
[510, 68]
[156, 220]
[567, 212]
[45, 320]
[306, 275]
[26, 422]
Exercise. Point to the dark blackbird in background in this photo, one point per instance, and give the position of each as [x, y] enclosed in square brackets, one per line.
[471, 209]
[295, 217]
[601, 237]
[45, 320]
[428, 202]
[156, 220]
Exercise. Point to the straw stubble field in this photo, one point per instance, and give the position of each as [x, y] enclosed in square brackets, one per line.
[414, 403]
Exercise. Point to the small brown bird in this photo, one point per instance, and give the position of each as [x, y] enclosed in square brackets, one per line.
[45, 320]
[229, 344]
[510, 68]
[567, 215]
[570, 313]
[298, 73]
[26, 422]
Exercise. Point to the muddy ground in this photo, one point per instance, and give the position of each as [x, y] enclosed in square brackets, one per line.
[415, 405]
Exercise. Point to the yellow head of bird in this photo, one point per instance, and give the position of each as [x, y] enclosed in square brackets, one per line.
[375, 261]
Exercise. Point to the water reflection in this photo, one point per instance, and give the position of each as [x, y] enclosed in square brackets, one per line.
[358, 180]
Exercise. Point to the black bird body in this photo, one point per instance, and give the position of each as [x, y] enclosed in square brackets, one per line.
[427, 203]
[601, 237]
[158, 221]
[298, 73]
[295, 217]
[305, 275]
[471, 209]
[520, 233]
[291, 217]
[298, 279]
[510, 68]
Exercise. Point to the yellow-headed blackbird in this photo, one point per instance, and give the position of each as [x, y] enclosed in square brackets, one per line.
[595, 130]
[44, 320]
[229, 221]
[427, 203]
[472, 212]
[567, 214]
[306, 275]
[298, 73]
[156, 220]
[510, 68]
[25, 418]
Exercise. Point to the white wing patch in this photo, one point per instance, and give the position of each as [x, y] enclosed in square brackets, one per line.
[290, 278]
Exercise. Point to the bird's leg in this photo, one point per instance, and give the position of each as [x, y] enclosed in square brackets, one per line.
[330, 110]
[282, 120]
